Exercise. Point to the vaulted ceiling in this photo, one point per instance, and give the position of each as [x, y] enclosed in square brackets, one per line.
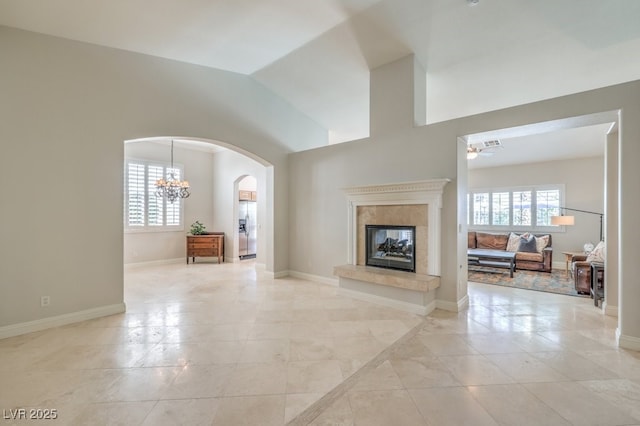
[317, 54]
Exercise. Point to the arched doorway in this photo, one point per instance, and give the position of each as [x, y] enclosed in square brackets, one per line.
[212, 168]
[247, 217]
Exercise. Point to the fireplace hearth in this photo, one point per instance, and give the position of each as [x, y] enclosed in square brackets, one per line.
[391, 246]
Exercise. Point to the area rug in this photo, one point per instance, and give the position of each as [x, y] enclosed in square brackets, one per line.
[554, 282]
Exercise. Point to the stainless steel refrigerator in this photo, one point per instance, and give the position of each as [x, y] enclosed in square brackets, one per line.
[247, 230]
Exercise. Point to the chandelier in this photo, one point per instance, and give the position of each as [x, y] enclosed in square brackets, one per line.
[172, 188]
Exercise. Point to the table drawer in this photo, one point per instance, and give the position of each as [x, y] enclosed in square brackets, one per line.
[205, 246]
[203, 252]
[199, 245]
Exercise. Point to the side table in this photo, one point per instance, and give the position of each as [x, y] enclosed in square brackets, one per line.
[568, 258]
[210, 244]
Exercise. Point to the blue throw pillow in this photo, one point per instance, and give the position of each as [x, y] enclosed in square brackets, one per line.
[528, 243]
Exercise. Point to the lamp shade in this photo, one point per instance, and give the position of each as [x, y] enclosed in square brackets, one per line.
[563, 220]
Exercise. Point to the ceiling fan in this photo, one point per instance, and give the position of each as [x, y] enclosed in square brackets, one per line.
[485, 148]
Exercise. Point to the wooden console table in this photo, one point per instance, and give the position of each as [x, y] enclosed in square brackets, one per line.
[207, 245]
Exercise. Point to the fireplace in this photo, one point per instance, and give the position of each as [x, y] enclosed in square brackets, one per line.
[391, 246]
[412, 207]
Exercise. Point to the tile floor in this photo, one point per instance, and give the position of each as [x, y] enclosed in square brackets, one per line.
[215, 344]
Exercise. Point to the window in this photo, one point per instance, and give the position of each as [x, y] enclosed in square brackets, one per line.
[143, 209]
[526, 207]
[481, 208]
[547, 205]
[521, 208]
[501, 208]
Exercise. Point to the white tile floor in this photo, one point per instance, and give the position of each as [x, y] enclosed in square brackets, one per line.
[214, 344]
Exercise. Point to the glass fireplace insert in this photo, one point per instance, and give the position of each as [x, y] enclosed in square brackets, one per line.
[391, 246]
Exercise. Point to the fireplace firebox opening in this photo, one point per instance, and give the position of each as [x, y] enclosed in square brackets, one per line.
[391, 246]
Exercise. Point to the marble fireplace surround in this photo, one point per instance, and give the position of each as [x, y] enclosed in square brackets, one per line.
[400, 215]
[412, 203]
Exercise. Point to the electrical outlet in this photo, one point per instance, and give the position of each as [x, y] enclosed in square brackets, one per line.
[45, 301]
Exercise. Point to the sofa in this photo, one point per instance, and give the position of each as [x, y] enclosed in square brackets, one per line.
[540, 260]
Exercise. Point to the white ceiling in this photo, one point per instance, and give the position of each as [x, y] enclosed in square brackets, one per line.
[587, 141]
[317, 54]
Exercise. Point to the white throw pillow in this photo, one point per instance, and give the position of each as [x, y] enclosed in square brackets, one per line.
[514, 242]
[542, 242]
[598, 254]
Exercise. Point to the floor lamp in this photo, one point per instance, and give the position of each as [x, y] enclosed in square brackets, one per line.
[570, 220]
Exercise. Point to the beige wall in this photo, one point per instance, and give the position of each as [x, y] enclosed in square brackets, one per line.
[611, 225]
[248, 183]
[66, 109]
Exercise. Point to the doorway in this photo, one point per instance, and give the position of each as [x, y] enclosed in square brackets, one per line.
[214, 170]
[247, 218]
[574, 153]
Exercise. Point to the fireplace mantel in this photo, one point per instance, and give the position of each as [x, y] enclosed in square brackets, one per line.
[432, 186]
[420, 192]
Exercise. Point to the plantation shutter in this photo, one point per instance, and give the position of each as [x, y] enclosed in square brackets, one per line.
[135, 194]
[142, 207]
[156, 204]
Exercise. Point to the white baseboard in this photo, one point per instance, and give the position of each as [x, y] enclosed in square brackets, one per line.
[559, 265]
[458, 306]
[57, 321]
[280, 274]
[315, 278]
[609, 310]
[396, 304]
[270, 275]
[155, 262]
[628, 342]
